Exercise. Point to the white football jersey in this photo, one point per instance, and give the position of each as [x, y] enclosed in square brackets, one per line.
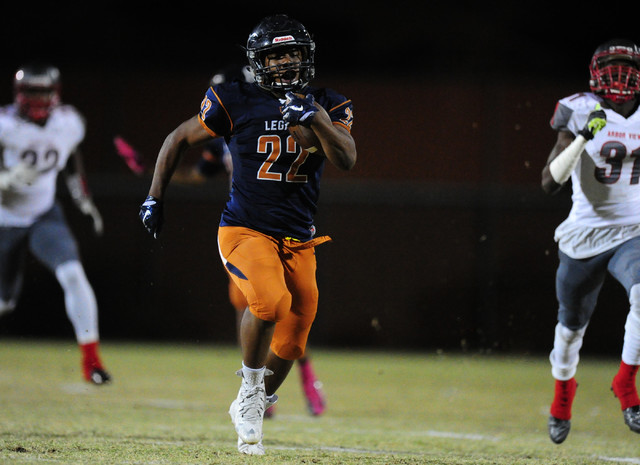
[47, 148]
[605, 182]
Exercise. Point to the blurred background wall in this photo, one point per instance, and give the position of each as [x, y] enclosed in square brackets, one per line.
[443, 238]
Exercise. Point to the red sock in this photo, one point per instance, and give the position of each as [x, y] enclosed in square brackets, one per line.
[624, 386]
[90, 358]
[565, 391]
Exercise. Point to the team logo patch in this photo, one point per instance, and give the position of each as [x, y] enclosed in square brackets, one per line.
[279, 40]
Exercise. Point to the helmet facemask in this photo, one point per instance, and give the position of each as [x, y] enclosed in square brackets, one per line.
[283, 77]
[35, 103]
[280, 34]
[615, 73]
[36, 92]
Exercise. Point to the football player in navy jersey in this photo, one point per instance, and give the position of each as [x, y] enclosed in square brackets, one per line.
[266, 235]
[216, 159]
[597, 147]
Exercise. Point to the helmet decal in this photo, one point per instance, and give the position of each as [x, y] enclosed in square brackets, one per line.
[279, 40]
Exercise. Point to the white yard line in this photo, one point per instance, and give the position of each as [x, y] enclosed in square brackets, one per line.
[621, 459]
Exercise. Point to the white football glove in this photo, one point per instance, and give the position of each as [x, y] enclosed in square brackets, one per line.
[87, 207]
[21, 175]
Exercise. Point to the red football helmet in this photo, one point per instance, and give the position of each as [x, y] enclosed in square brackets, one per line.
[36, 91]
[615, 70]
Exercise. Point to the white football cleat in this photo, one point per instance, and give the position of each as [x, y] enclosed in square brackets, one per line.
[247, 414]
[247, 410]
[250, 449]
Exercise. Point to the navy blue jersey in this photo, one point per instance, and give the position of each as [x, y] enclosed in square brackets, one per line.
[275, 185]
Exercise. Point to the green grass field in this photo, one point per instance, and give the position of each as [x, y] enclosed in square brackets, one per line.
[168, 405]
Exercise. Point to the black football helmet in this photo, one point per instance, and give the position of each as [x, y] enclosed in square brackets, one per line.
[232, 73]
[615, 70]
[274, 34]
[36, 90]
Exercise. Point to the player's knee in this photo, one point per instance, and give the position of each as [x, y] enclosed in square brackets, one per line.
[7, 306]
[282, 307]
[633, 319]
[289, 350]
[570, 335]
[274, 307]
[71, 275]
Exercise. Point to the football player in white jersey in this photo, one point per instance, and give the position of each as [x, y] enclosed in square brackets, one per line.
[39, 138]
[598, 148]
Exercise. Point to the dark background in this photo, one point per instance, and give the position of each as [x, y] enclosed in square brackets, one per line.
[442, 236]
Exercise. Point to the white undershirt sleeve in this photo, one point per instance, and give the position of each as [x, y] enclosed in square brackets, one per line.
[563, 165]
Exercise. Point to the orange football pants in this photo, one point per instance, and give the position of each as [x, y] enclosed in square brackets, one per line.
[278, 280]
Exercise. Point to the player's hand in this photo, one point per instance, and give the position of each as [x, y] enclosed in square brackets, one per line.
[21, 175]
[595, 122]
[89, 208]
[151, 215]
[297, 110]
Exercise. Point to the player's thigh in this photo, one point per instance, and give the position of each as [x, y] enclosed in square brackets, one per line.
[625, 263]
[578, 283]
[291, 334]
[253, 262]
[51, 241]
[300, 275]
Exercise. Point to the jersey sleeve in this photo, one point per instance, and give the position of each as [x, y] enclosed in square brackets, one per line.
[340, 108]
[572, 113]
[70, 125]
[561, 117]
[213, 116]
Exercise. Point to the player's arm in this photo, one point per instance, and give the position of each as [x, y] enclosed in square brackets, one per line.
[188, 134]
[549, 184]
[567, 150]
[337, 143]
[76, 180]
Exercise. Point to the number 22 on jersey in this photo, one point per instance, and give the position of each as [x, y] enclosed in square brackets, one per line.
[272, 146]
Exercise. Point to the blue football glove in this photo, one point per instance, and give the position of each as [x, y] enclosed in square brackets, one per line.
[298, 110]
[151, 215]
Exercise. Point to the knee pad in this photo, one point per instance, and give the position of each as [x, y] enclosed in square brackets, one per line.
[565, 355]
[633, 319]
[570, 336]
[71, 274]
